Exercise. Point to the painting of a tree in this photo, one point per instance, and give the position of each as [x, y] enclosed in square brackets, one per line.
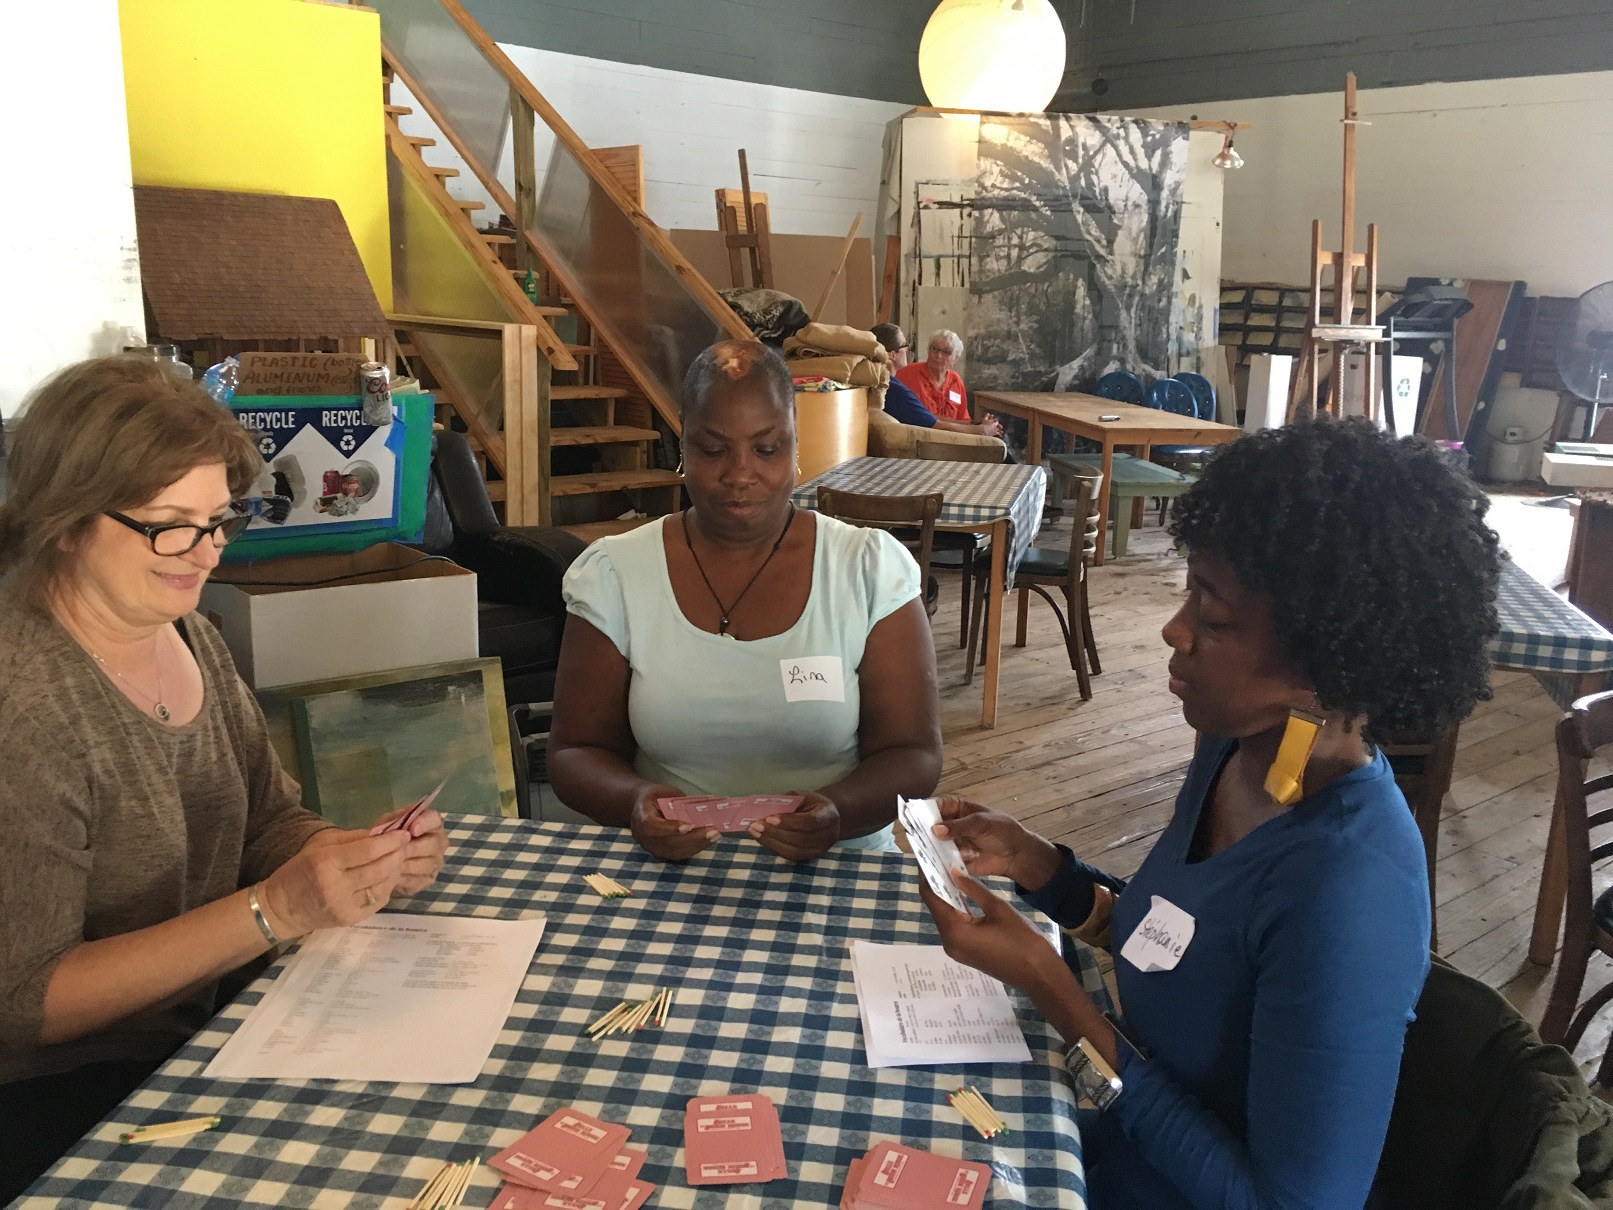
[1076, 220]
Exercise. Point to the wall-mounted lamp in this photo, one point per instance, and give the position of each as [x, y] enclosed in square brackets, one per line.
[1005, 55]
[1228, 156]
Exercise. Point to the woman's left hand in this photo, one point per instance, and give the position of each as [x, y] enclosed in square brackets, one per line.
[1001, 942]
[423, 855]
[808, 831]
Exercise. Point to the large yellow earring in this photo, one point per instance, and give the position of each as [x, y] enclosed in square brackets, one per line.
[1285, 780]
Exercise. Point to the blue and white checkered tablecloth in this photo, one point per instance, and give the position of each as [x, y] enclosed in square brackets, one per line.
[1542, 632]
[757, 950]
[974, 493]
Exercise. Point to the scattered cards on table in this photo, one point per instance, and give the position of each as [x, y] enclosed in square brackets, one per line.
[894, 1177]
[571, 1161]
[410, 815]
[728, 814]
[732, 1139]
[936, 857]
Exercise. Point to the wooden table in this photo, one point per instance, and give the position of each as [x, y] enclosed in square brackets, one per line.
[1080, 414]
[1000, 500]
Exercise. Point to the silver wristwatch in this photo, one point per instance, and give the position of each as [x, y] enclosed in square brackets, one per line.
[1095, 1080]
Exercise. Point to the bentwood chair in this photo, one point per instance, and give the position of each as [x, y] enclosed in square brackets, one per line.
[1588, 921]
[953, 549]
[895, 513]
[1046, 567]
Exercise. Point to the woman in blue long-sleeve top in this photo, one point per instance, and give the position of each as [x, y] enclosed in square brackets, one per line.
[1270, 950]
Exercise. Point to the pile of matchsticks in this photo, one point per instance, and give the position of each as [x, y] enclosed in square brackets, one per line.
[630, 1014]
[607, 888]
[977, 1111]
[445, 1189]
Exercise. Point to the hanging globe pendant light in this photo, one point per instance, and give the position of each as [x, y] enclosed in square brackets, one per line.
[1005, 55]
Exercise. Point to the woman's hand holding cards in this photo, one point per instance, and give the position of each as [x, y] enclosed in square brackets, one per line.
[993, 843]
[809, 831]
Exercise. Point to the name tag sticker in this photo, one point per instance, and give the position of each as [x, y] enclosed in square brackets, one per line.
[1158, 943]
[813, 678]
[955, 397]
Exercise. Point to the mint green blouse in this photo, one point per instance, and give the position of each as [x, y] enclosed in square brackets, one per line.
[712, 714]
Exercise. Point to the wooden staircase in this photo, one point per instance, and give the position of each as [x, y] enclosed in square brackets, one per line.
[595, 442]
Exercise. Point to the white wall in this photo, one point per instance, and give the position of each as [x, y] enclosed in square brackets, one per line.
[69, 269]
[815, 155]
[1497, 179]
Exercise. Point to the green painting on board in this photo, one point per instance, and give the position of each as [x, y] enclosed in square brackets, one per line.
[366, 749]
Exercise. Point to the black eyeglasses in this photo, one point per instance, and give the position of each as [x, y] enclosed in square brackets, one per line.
[180, 539]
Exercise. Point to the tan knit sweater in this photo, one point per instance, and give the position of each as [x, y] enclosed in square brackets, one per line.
[111, 821]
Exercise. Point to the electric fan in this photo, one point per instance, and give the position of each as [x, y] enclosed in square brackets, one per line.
[1585, 352]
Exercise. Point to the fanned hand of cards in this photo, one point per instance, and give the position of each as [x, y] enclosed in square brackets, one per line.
[728, 814]
[936, 857]
[409, 816]
[571, 1161]
[894, 1177]
[732, 1140]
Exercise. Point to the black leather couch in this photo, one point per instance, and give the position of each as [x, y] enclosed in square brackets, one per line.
[521, 615]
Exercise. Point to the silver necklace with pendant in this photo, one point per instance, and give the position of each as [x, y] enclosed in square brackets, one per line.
[157, 708]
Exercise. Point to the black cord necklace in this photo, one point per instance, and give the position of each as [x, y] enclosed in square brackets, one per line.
[727, 610]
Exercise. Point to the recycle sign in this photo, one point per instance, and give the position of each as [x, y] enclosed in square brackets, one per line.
[266, 446]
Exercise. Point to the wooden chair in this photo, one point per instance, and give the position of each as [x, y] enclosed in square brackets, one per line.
[1048, 567]
[1588, 926]
[895, 513]
[959, 550]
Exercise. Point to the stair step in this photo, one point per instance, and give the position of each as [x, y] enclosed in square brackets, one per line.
[595, 530]
[495, 489]
[598, 434]
[611, 481]
[419, 141]
[583, 350]
[436, 171]
[470, 205]
[585, 392]
[497, 239]
[397, 111]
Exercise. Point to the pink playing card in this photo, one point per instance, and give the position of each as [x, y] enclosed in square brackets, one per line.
[565, 1153]
[904, 1178]
[731, 1140]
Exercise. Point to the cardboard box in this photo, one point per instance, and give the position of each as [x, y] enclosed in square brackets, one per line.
[1576, 470]
[387, 606]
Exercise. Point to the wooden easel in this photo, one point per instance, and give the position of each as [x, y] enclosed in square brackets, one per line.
[742, 219]
[1342, 330]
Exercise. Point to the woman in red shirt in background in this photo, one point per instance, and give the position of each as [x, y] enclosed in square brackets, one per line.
[934, 380]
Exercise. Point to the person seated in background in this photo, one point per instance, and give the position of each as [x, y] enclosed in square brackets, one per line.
[1271, 949]
[935, 380]
[744, 646]
[904, 405]
[153, 843]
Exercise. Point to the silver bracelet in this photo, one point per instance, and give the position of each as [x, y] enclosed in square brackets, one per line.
[257, 914]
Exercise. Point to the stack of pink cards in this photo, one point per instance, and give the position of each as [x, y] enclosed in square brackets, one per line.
[894, 1177]
[732, 1140]
[571, 1161]
[728, 814]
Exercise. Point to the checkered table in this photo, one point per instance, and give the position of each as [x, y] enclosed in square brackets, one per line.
[757, 951]
[975, 493]
[1543, 634]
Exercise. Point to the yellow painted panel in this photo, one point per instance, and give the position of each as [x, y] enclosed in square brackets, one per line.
[262, 96]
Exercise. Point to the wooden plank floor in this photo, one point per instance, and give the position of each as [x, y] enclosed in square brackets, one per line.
[1102, 775]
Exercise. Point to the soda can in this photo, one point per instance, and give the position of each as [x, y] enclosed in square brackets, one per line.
[332, 482]
[375, 384]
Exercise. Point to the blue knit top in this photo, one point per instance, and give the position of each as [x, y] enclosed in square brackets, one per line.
[1273, 1044]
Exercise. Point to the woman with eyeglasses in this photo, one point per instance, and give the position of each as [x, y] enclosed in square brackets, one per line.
[152, 843]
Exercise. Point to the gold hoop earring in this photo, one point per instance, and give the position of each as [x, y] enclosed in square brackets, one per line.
[1285, 780]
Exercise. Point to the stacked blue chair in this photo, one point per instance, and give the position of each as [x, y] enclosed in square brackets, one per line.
[1120, 385]
[1174, 395]
[1203, 392]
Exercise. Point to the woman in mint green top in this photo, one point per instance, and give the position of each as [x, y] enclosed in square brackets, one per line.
[745, 647]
